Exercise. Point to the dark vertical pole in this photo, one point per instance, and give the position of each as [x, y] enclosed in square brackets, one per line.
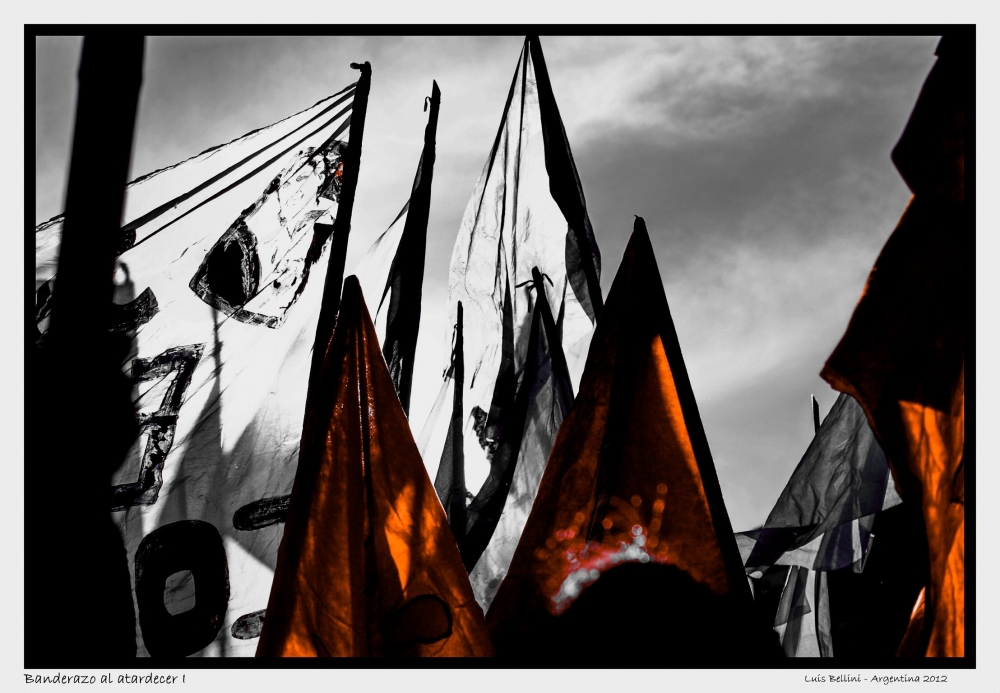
[109, 79]
[76, 569]
[338, 253]
[456, 509]
[815, 411]
[341, 227]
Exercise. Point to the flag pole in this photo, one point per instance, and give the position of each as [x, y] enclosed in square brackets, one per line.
[341, 228]
[456, 504]
[78, 385]
[815, 411]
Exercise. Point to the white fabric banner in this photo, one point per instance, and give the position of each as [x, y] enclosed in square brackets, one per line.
[222, 294]
[511, 224]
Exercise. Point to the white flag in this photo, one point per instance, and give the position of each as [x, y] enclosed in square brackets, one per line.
[527, 212]
[220, 278]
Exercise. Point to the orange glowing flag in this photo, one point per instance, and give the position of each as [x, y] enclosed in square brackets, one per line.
[903, 355]
[629, 516]
[367, 564]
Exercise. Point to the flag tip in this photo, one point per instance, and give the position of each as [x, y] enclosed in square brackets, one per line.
[639, 241]
[352, 288]
[435, 97]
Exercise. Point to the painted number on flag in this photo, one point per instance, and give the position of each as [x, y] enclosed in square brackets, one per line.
[159, 425]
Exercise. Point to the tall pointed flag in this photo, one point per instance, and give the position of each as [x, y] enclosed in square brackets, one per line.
[498, 512]
[527, 211]
[630, 479]
[220, 275]
[367, 564]
[903, 354]
[402, 280]
[822, 522]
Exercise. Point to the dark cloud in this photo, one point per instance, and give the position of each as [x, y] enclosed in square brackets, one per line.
[768, 189]
[781, 174]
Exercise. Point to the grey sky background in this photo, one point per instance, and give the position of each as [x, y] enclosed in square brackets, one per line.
[761, 166]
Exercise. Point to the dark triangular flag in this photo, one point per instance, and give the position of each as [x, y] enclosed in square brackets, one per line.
[403, 281]
[450, 480]
[406, 276]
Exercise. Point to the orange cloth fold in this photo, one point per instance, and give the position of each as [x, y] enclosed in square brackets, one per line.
[903, 354]
[367, 564]
[630, 479]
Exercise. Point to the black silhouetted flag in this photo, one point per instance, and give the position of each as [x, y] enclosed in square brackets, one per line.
[628, 546]
[367, 564]
[220, 276]
[449, 482]
[903, 354]
[401, 279]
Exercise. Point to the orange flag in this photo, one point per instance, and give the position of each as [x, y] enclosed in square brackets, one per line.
[903, 355]
[629, 515]
[367, 564]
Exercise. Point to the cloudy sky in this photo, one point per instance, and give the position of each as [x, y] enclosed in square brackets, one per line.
[761, 166]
